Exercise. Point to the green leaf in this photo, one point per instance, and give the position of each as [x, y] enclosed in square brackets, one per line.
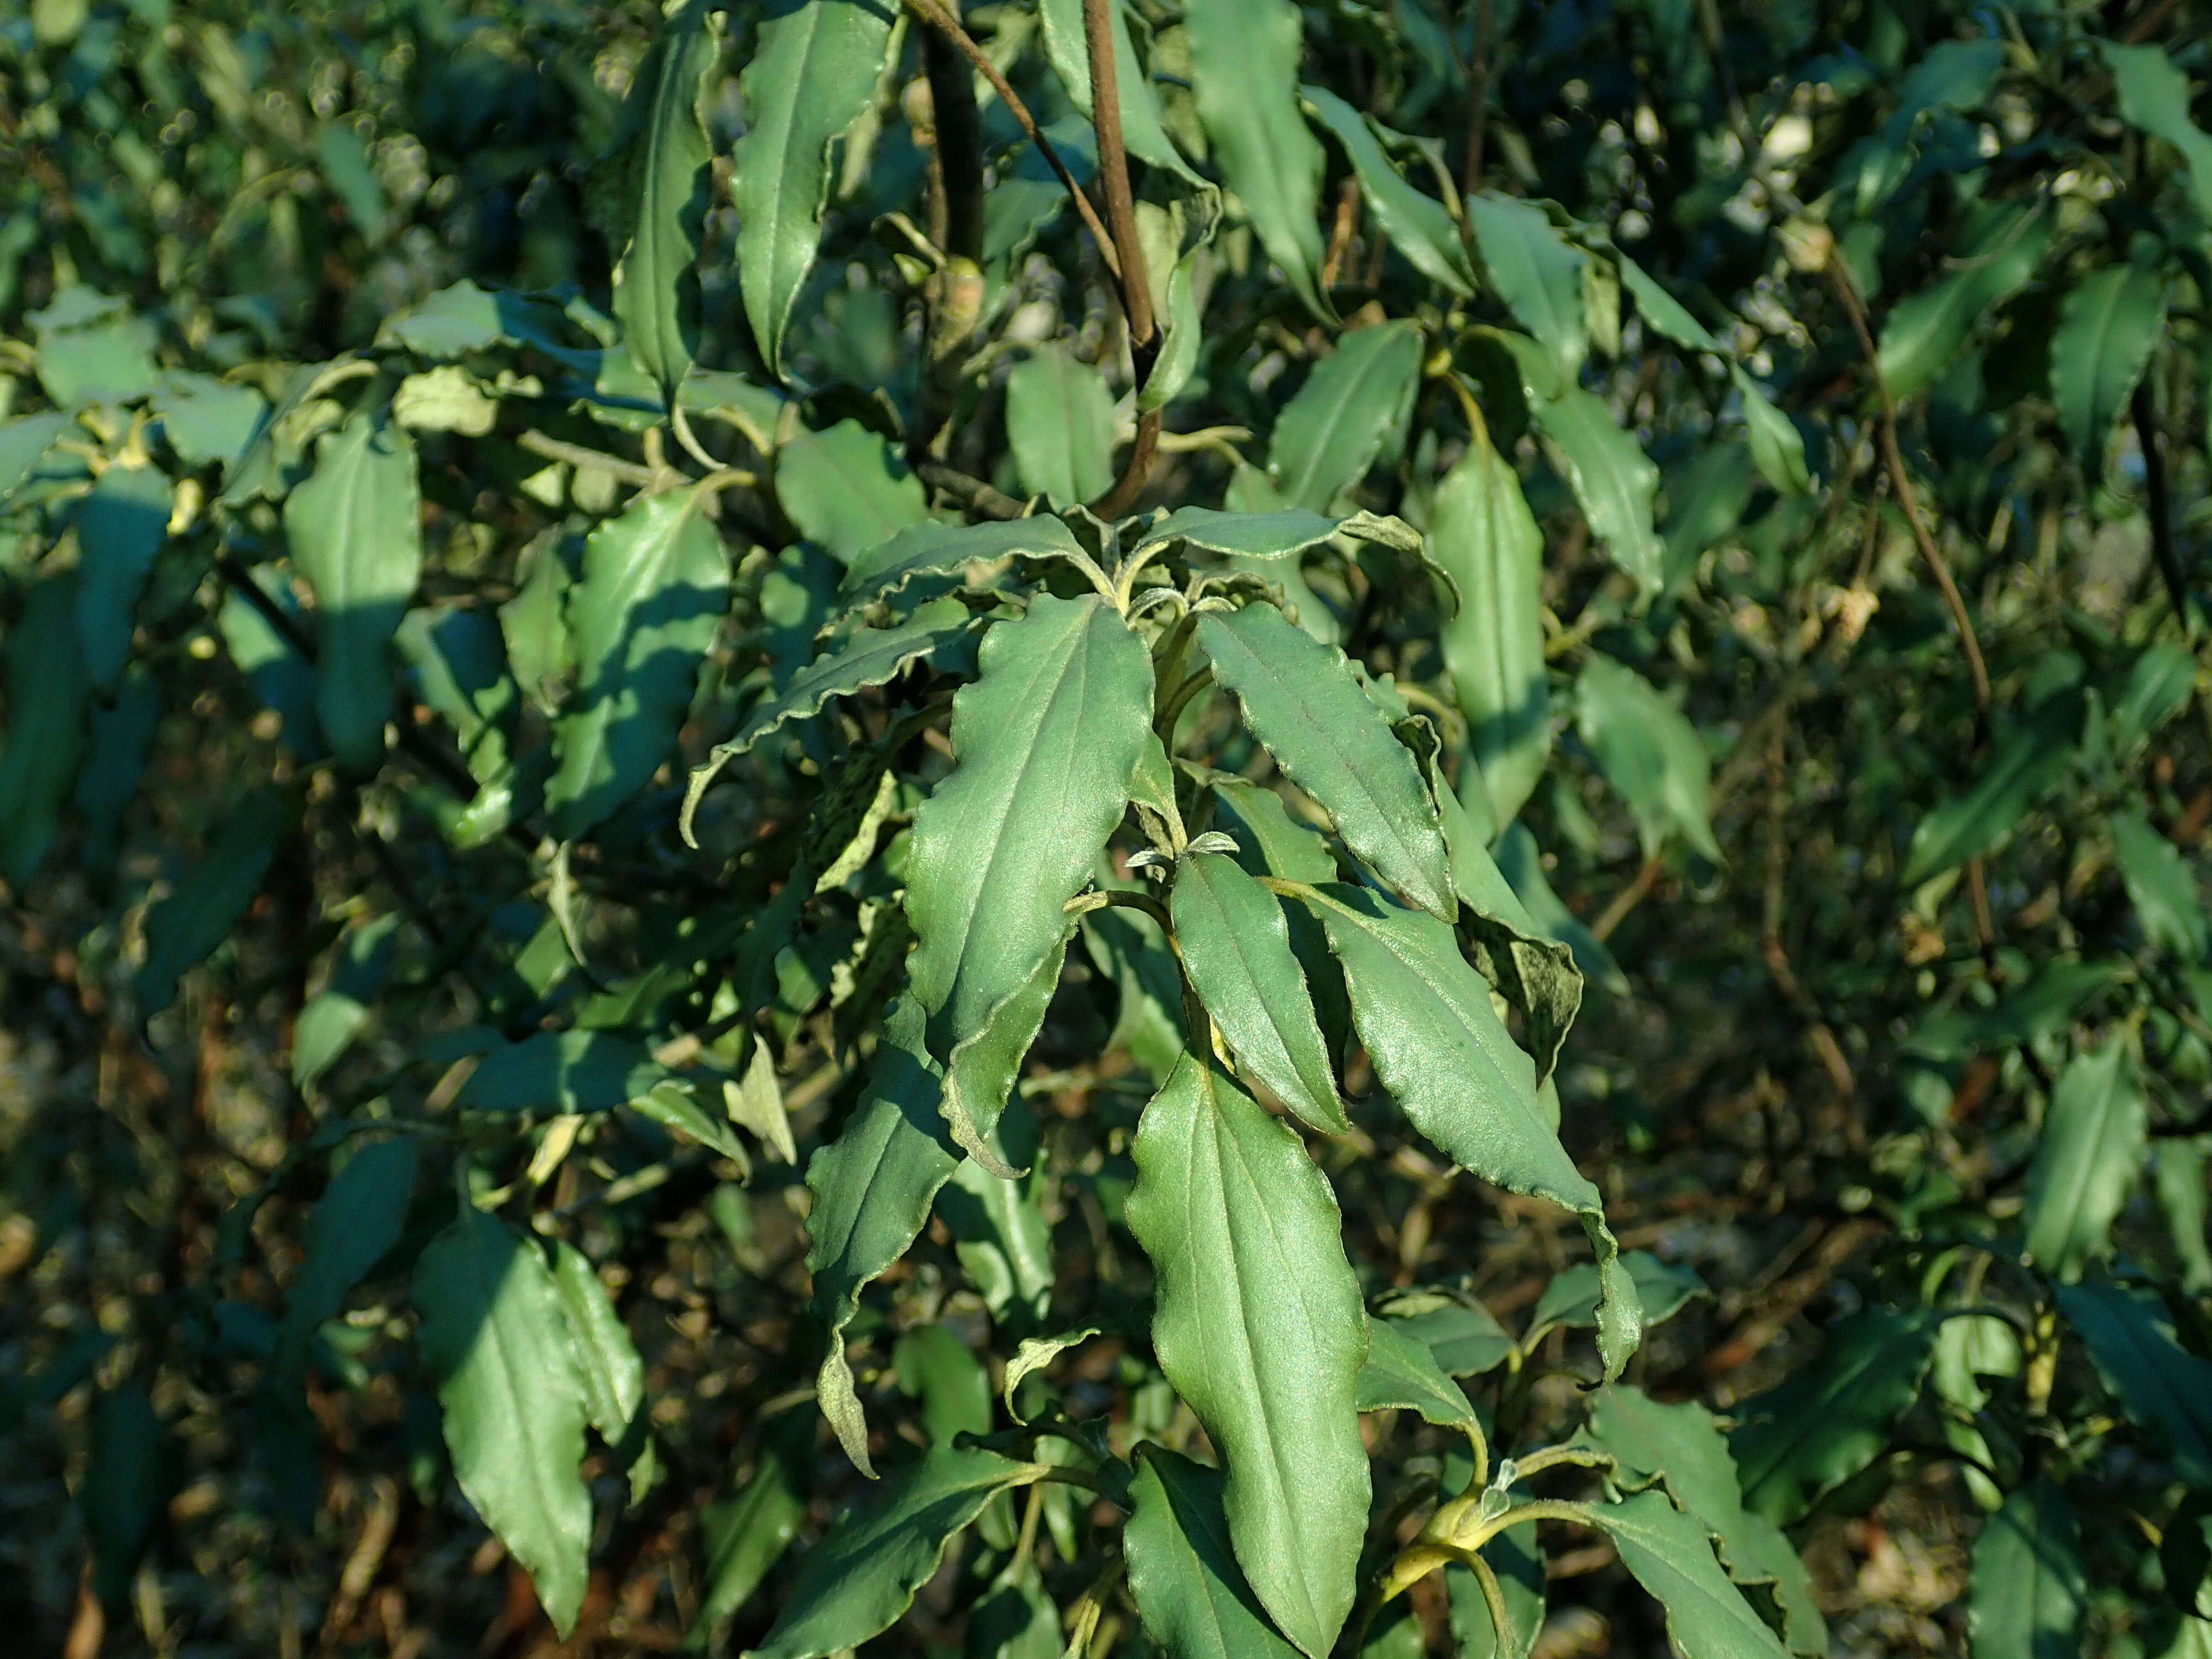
[747, 1536]
[120, 527]
[2178, 1169]
[1045, 740]
[1299, 698]
[495, 1336]
[1351, 407]
[1440, 1049]
[1681, 1446]
[998, 1231]
[2167, 1391]
[660, 174]
[1650, 753]
[2028, 760]
[1059, 424]
[2028, 1585]
[357, 1219]
[1778, 448]
[342, 155]
[1515, 1556]
[124, 1488]
[1402, 1374]
[613, 1376]
[654, 586]
[863, 1575]
[1826, 1423]
[205, 419]
[2154, 97]
[1463, 1335]
[1536, 272]
[355, 529]
[1572, 1298]
[24, 442]
[1661, 309]
[1612, 479]
[1244, 60]
[928, 548]
[1143, 134]
[845, 488]
[120, 738]
[1259, 1327]
[1481, 531]
[1521, 861]
[1998, 253]
[1183, 1574]
[955, 1390]
[185, 927]
[2087, 1161]
[1236, 947]
[1269, 842]
[560, 1072]
[2160, 885]
[813, 71]
[2155, 689]
[1421, 227]
[47, 694]
[1669, 1554]
[2108, 326]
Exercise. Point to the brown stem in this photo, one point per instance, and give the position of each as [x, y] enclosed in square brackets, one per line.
[959, 140]
[1121, 214]
[934, 16]
[1628, 898]
[1901, 481]
[2144, 407]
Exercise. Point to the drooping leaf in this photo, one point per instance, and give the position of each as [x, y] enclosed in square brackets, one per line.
[560, 1072]
[1572, 1298]
[120, 737]
[2028, 758]
[1670, 1555]
[1353, 403]
[185, 927]
[845, 488]
[2160, 885]
[1236, 947]
[2108, 324]
[654, 586]
[613, 1374]
[1244, 60]
[120, 527]
[1999, 253]
[48, 690]
[1481, 531]
[2166, 1391]
[2028, 1585]
[2087, 1160]
[863, 1575]
[1059, 424]
[1259, 1327]
[1045, 740]
[356, 527]
[1440, 1049]
[2154, 97]
[1402, 1374]
[124, 1488]
[1420, 227]
[1650, 753]
[1661, 309]
[1183, 1574]
[1828, 1421]
[494, 1334]
[356, 1221]
[661, 176]
[813, 70]
[1300, 700]
[1777, 448]
[1536, 272]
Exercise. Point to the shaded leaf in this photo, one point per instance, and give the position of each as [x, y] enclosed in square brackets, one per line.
[2154, 97]
[1183, 1574]
[2087, 1161]
[560, 1072]
[1999, 253]
[124, 1488]
[1650, 753]
[1353, 405]
[1463, 1335]
[2028, 1585]
[185, 927]
[1829, 1420]
[1777, 448]
[1421, 227]
[120, 527]
[1059, 425]
[2108, 326]
[2028, 759]
[357, 1219]
[1669, 1554]
[48, 690]
[2160, 885]
[2167, 1391]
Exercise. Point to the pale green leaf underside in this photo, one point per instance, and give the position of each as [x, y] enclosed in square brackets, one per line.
[1354, 401]
[1420, 226]
[1183, 1574]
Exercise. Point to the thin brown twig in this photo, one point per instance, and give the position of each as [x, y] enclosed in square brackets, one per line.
[1121, 213]
[1628, 898]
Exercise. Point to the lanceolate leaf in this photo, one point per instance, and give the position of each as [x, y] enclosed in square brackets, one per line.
[863, 1575]
[1142, 133]
[654, 588]
[1301, 700]
[1045, 739]
[1420, 226]
[1244, 69]
[2107, 327]
[561, 1072]
[2029, 1586]
[1354, 402]
[1669, 1554]
[2088, 1161]
[1402, 1374]
[1481, 531]
[1259, 1327]
[1826, 1423]
[1777, 448]
[1994, 262]
[356, 1221]
[1183, 1574]
[812, 72]
[1611, 477]
[2028, 759]
[1649, 752]
[1059, 424]
[1237, 949]
[1440, 1049]
[2165, 1390]
[2154, 97]
[664, 181]
[199, 912]
[2161, 886]
[613, 1374]
[119, 528]
[870, 656]
[47, 692]
[747, 1536]
[357, 533]
[494, 1333]
[1536, 272]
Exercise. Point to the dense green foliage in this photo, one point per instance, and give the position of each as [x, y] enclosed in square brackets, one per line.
[1228, 830]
